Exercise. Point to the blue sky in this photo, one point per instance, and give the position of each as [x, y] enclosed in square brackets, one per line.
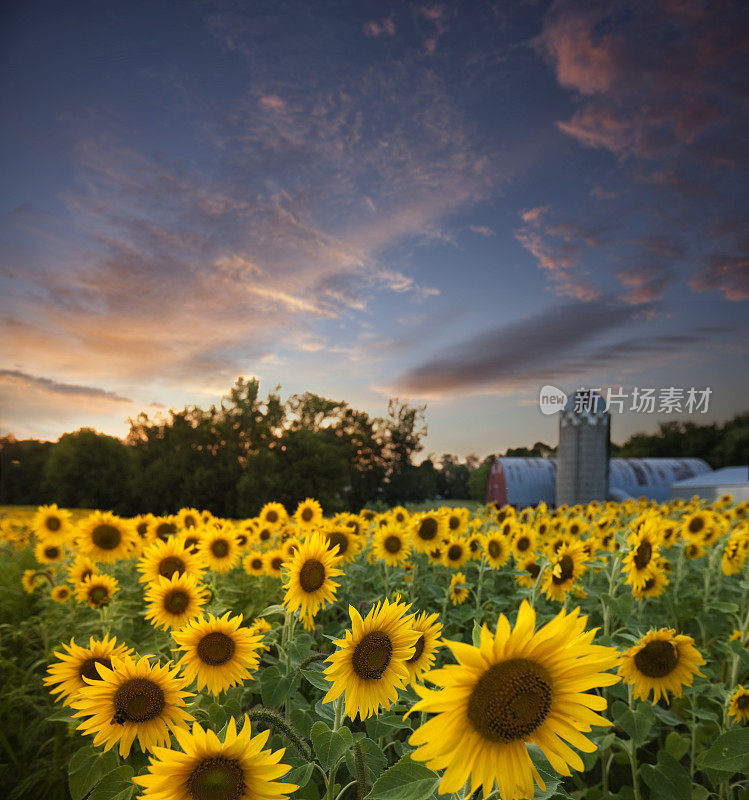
[451, 203]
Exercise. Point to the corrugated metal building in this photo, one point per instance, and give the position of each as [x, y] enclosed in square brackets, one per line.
[529, 481]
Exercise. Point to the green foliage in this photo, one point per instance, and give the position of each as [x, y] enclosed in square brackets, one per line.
[87, 469]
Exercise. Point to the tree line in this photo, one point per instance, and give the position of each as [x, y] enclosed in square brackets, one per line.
[235, 456]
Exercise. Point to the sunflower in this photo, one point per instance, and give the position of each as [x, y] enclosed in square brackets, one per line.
[96, 590]
[426, 646]
[435, 556]
[458, 590]
[219, 549]
[577, 526]
[173, 602]
[661, 661]
[308, 513]
[81, 569]
[528, 572]
[342, 542]
[104, 537]
[236, 769]
[192, 540]
[566, 567]
[273, 514]
[132, 699]
[694, 551]
[163, 527]
[309, 585]
[426, 529]
[738, 705]
[66, 676]
[369, 665]
[188, 518]
[639, 563]
[51, 523]
[390, 544]
[694, 526]
[520, 686]
[218, 653]
[254, 563]
[164, 559]
[456, 520]
[33, 578]
[455, 552]
[655, 585]
[274, 561]
[144, 527]
[47, 552]
[475, 541]
[735, 552]
[496, 549]
[523, 542]
[61, 593]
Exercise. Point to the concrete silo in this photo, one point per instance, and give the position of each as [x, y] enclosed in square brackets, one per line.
[583, 454]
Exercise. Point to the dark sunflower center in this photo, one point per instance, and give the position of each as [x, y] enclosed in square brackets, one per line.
[88, 667]
[276, 563]
[142, 529]
[106, 537]
[427, 529]
[87, 573]
[189, 521]
[542, 528]
[372, 655]
[393, 544]
[272, 516]
[220, 548]
[533, 569]
[474, 545]
[454, 523]
[171, 564]
[216, 779]
[494, 549]
[138, 700]
[510, 700]
[53, 524]
[216, 648]
[523, 543]
[307, 514]
[743, 702]
[574, 529]
[98, 595]
[264, 535]
[419, 649]
[52, 552]
[696, 525]
[454, 552]
[643, 554]
[336, 538]
[191, 543]
[311, 575]
[257, 563]
[506, 529]
[241, 539]
[566, 570]
[649, 584]
[657, 659]
[165, 530]
[176, 602]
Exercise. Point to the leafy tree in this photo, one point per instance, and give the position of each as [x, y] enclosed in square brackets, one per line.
[87, 469]
[21, 470]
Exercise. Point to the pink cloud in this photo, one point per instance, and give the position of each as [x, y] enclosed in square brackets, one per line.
[482, 230]
[724, 273]
[383, 27]
[272, 102]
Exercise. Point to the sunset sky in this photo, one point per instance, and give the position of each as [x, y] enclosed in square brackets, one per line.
[454, 203]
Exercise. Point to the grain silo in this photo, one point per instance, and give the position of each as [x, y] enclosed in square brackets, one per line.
[583, 454]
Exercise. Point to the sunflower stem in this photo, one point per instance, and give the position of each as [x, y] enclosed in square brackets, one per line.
[632, 753]
[337, 708]
[281, 725]
[480, 585]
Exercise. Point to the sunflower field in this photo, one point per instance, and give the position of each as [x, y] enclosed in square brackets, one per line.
[592, 652]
